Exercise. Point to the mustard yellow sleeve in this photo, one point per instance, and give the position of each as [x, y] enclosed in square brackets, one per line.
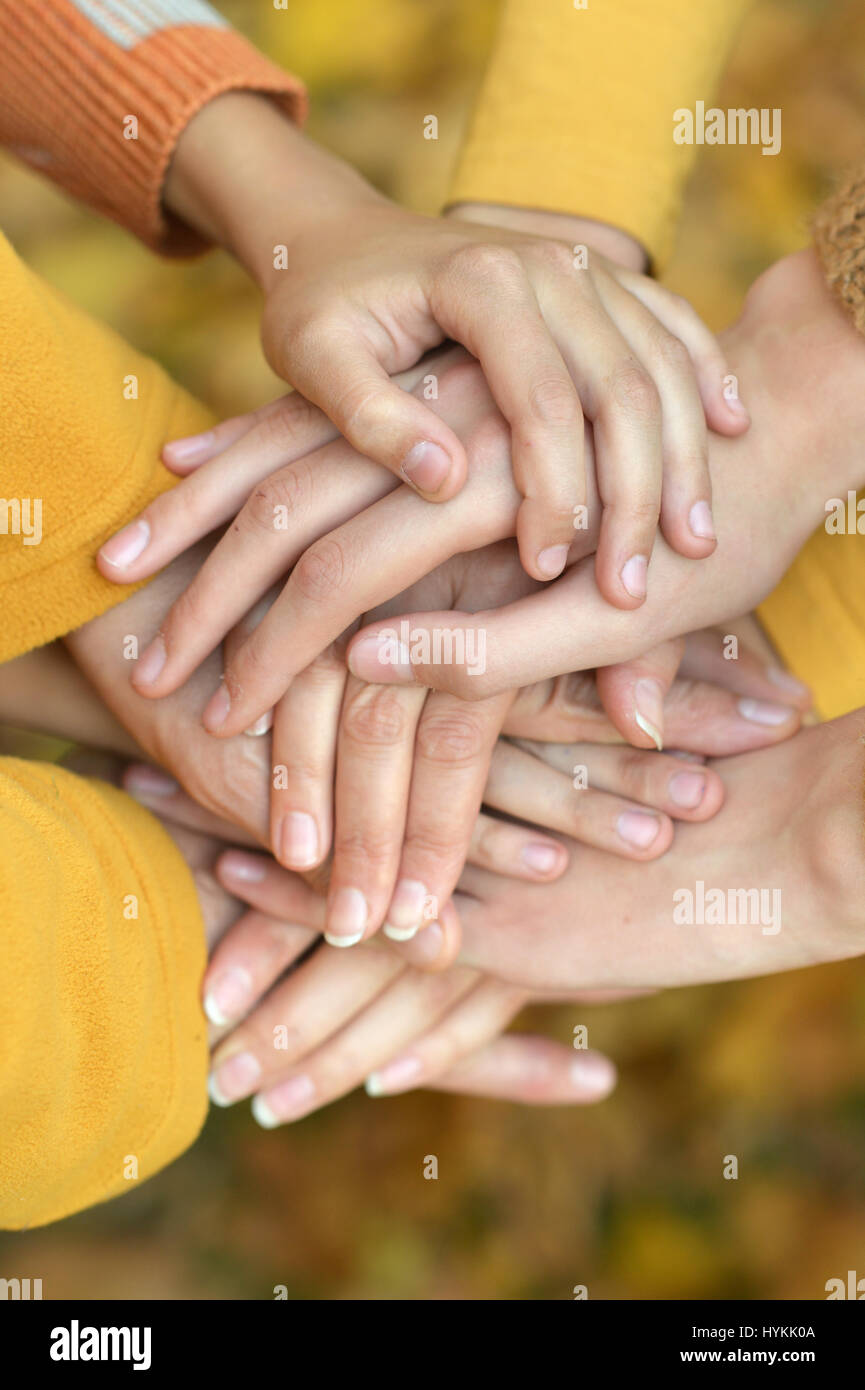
[576, 109]
[103, 1046]
[83, 418]
[816, 615]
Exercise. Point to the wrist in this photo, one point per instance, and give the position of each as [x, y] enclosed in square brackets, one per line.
[611, 242]
[244, 176]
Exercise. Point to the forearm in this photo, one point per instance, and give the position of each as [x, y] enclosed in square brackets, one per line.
[45, 691]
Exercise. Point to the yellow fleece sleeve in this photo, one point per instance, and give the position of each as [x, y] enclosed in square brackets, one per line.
[83, 418]
[576, 109]
[103, 1043]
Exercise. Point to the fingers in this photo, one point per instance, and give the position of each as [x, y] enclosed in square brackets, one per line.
[161, 793]
[515, 852]
[718, 387]
[375, 751]
[184, 455]
[247, 961]
[410, 1003]
[215, 491]
[633, 693]
[338, 371]
[484, 299]
[305, 729]
[718, 657]
[531, 1070]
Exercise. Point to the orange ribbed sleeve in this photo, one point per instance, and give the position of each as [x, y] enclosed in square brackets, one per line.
[96, 93]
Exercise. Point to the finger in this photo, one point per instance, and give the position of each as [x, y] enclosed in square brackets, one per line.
[213, 494]
[453, 747]
[523, 785]
[686, 497]
[375, 750]
[313, 1002]
[484, 299]
[719, 390]
[514, 852]
[192, 450]
[259, 881]
[334, 368]
[247, 961]
[412, 1003]
[633, 693]
[437, 944]
[305, 729]
[532, 1070]
[563, 709]
[719, 658]
[162, 794]
[682, 790]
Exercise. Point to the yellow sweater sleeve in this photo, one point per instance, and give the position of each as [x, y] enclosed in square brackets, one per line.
[102, 1036]
[82, 420]
[576, 109]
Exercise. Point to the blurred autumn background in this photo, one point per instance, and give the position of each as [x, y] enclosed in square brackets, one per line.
[629, 1198]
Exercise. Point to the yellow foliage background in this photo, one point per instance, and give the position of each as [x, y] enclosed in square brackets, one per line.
[628, 1198]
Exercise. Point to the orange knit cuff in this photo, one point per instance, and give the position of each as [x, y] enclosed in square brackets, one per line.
[69, 91]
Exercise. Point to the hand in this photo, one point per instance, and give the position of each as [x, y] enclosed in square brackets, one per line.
[556, 337]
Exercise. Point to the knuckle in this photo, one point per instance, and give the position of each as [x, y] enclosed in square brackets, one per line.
[557, 256]
[289, 488]
[365, 407]
[284, 428]
[671, 351]
[634, 390]
[553, 401]
[451, 739]
[636, 770]
[369, 852]
[321, 573]
[486, 261]
[375, 716]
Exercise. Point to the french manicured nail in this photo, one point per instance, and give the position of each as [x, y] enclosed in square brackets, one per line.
[234, 1078]
[398, 1075]
[785, 681]
[242, 868]
[764, 712]
[426, 946]
[541, 859]
[299, 840]
[649, 710]
[427, 466]
[284, 1102]
[149, 781]
[638, 828]
[687, 789]
[593, 1073]
[634, 575]
[347, 914]
[261, 726]
[217, 710]
[551, 561]
[700, 521]
[127, 545]
[148, 667]
[189, 449]
[228, 995]
[405, 914]
[369, 656]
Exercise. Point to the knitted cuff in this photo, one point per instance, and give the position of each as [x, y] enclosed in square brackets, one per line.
[839, 237]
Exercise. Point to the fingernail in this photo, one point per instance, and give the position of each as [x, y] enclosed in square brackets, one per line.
[234, 1078]
[228, 995]
[427, 466]
[405, 914]
[634, 575]
[785, 681]
[396, 1076]
[261, 726]
[217, 709]
[149, 781]
[540, 858]
[283, 1102]
[370, 655]
[427, 945]
[649, 709]
[638, 828]
[347, 914]
[700, 521]
[736, 406]
[127, 545]
[764, 712]
[299, 840]
[594, 1073]
[687, 789]
[551, 561]
[187, 450]
[243, 868]
[149, 665]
